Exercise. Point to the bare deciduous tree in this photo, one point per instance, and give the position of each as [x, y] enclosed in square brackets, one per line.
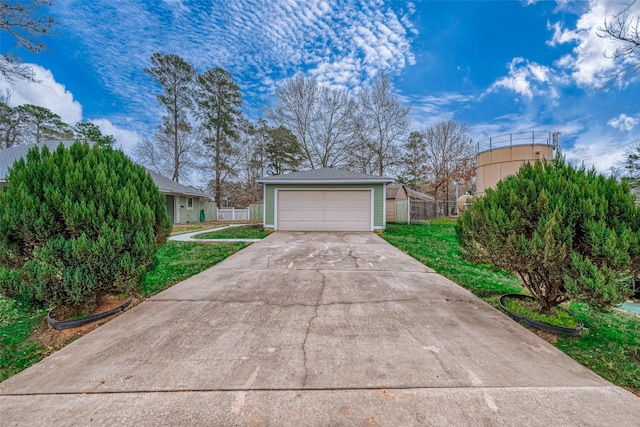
[383, 123]
[321, 119]
[9, 122]
[624, 30]
[169, 157]
[450, 156]
[24, 22]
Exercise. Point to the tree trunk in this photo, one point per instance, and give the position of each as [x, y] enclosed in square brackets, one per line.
[217, 161]
[176, 154]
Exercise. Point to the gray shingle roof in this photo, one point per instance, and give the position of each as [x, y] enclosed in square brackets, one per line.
[413, 194]
[324, 176]
[166, 185]
[9, 155]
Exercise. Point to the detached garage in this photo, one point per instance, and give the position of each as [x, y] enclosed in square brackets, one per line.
[324, 200]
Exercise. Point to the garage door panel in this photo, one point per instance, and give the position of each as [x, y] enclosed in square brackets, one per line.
[348, 210]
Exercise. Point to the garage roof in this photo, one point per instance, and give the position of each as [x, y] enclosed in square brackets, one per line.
[325, 176]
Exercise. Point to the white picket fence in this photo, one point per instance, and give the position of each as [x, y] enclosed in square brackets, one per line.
[233, 214]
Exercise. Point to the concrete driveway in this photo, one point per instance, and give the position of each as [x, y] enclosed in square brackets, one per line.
[313, 329]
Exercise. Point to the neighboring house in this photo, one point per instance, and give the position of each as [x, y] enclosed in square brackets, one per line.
[402, 201]
[324, 199]
[184, 204]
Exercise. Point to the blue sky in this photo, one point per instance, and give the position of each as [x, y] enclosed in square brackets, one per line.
[499, 66]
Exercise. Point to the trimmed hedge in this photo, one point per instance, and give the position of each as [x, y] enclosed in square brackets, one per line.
[566, 232]
[77, 224]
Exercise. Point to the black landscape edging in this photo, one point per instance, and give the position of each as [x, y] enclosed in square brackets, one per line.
[68, 324]
[559, 330]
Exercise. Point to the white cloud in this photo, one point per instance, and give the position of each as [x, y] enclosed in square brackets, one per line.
[177, 5]
[344, 43]
[47, 93]
[623, 122]
[428, 110]
[50, 94]
[596, 148]
[125, 139]
[528, 79]
[589, 59]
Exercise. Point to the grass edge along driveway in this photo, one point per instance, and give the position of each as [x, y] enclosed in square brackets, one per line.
[611, 345]
[175, 262]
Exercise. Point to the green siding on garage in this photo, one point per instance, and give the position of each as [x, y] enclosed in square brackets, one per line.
[378, 198]
[269, 212]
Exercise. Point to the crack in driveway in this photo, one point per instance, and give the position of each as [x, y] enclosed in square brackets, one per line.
[306, 335]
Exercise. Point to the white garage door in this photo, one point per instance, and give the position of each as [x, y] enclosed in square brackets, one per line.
[328, 210]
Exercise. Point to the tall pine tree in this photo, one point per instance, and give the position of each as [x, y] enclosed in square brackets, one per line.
[219, 102]
[177, 79]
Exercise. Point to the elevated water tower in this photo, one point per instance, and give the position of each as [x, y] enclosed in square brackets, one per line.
[500, 156]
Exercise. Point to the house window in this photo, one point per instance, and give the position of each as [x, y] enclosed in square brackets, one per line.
[189, 202]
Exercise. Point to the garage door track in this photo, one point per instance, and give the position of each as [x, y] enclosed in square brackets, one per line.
[313, 329]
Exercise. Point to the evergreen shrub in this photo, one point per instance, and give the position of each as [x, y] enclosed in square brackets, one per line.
[77, 224]
[566, 232]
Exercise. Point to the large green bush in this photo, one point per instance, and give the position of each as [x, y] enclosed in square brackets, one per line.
[566, 232]
[77, 224]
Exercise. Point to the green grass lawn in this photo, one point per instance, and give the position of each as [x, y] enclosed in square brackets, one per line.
[245, 232]
[17, 350]
[175, 261]
[611, 345]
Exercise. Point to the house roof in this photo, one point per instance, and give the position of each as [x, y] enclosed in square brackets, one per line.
[168, 186]
[324, 176]
[413, 194]
[9, 155]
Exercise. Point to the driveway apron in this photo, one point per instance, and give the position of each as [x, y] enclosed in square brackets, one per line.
[313, 329]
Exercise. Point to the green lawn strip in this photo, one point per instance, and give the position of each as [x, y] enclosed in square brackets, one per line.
[17, 349]
[177, 261]
[611, 348]
[245, 232]
[611, 345]
[435, 245]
